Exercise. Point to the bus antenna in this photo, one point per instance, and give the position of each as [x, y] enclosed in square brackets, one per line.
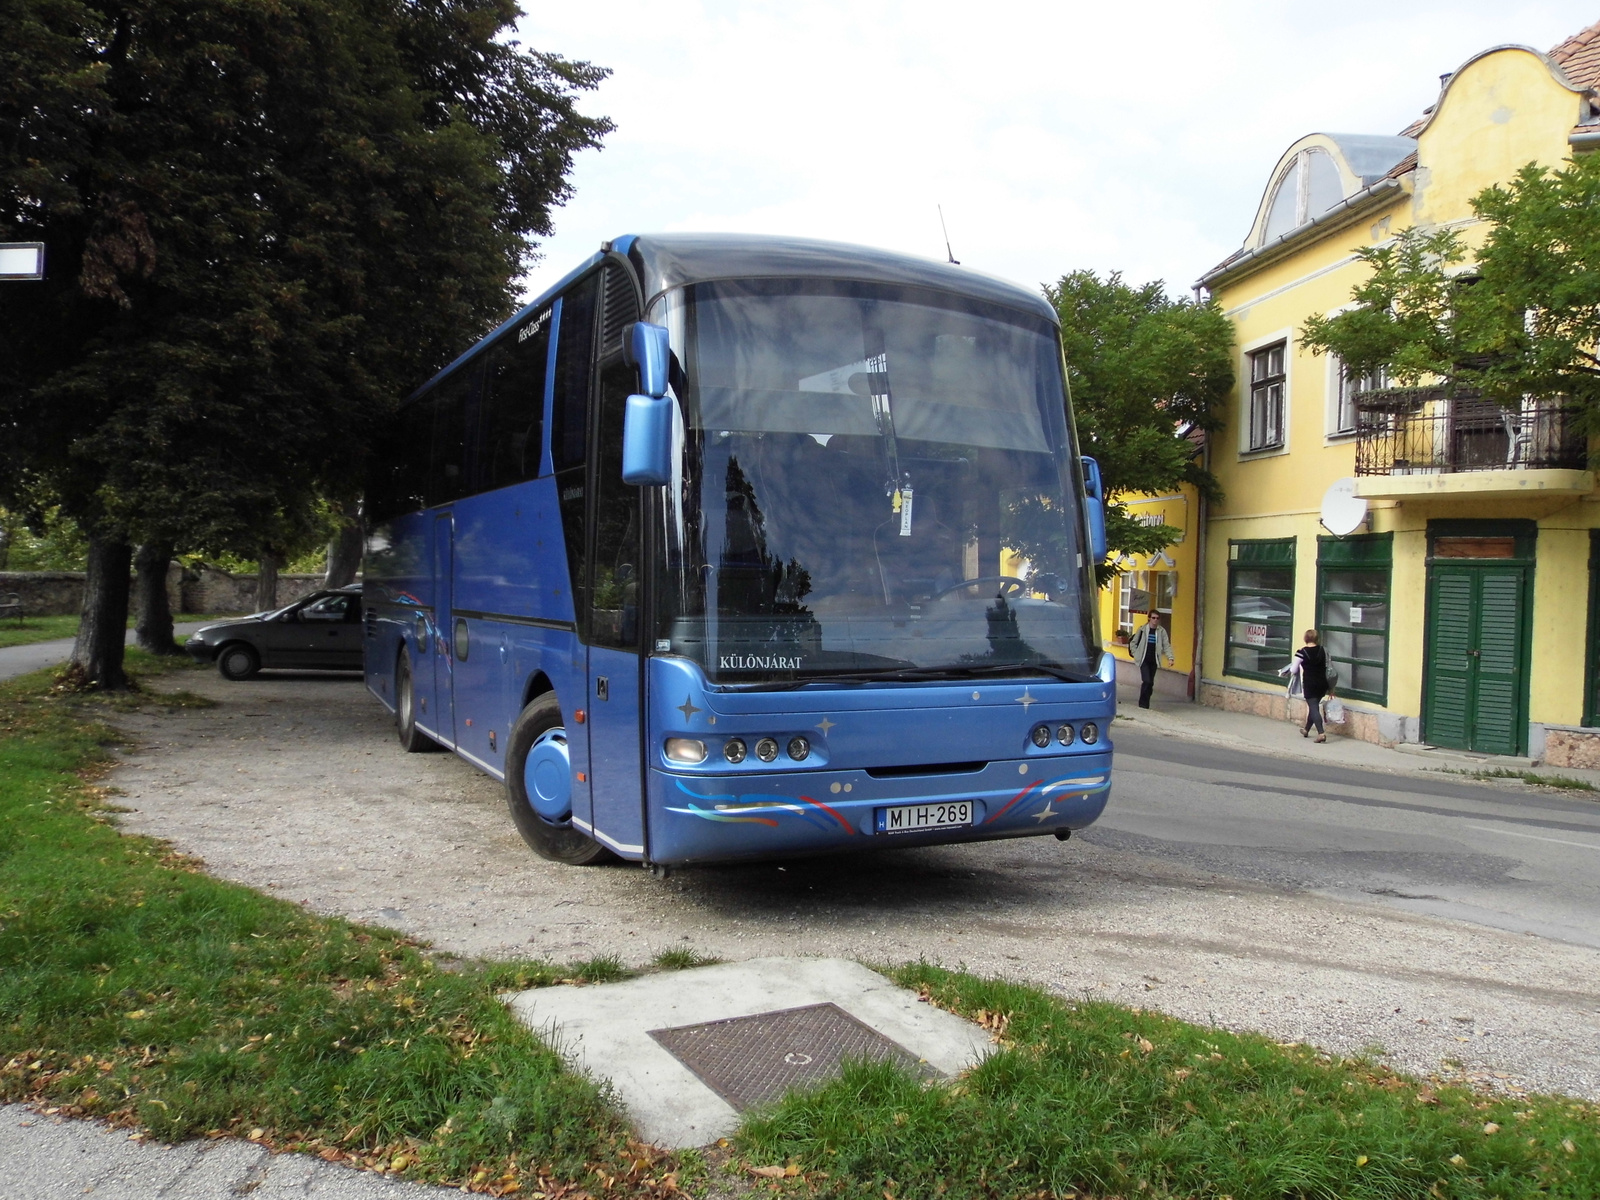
[948, 253]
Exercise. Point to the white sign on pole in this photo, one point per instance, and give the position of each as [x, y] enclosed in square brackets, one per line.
[21, 260]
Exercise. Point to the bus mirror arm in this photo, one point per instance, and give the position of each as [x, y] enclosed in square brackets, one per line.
[646, 346]
[1095, 509]
[647, 441]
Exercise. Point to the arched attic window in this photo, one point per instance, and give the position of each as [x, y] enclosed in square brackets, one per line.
[1308, 188]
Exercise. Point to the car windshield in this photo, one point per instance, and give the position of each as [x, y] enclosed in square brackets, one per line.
[875, 482]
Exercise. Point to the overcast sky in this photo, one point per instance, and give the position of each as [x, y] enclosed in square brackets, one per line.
[1114, 135]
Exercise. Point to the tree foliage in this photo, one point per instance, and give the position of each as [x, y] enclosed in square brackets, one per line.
[265, 221]
[1146, 372]
[1522, 319]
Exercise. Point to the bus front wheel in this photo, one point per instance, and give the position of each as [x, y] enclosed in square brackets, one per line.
[412, 739]
[539, 787]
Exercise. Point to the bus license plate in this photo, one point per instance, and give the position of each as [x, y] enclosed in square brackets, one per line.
[915, 818]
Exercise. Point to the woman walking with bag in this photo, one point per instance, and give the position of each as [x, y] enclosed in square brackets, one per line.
[1314, 682]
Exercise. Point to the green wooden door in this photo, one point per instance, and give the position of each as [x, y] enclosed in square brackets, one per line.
[1477, 683]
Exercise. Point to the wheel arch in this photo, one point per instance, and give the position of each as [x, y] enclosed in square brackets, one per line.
[537, 685]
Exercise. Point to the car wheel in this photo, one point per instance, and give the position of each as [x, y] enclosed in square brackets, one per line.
[238, 660]
[539, 787]
[412, 739]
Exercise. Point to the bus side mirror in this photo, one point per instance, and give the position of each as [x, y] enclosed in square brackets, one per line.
[647, 441]
[1094, 504]
[647, 421]
[645, 346]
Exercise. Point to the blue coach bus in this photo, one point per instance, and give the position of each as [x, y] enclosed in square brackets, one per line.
[736, 547]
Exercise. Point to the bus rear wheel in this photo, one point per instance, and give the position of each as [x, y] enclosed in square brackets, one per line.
[539, 787]
[412, 739]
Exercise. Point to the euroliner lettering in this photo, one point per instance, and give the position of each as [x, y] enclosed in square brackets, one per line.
[541, 600]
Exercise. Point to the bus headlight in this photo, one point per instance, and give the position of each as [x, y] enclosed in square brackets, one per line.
[686, 750]
[767, 749]
[1064, 735]
[1040, 736]
[734, 751]
[799, 748]
[1090, 733]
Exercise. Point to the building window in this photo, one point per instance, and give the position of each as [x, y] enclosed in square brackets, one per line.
[1353, 612]
[1140, 591]
[1266, 397]
[1309, 188]
[1351, 386]
[1260, 607]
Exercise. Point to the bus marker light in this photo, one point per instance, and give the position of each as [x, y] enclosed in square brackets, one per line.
[767, 749]
[734, 751]
[1040, 736]
[686, 750]
[799, 748]
[1090, 733]
[579, 717]
[1064, 735]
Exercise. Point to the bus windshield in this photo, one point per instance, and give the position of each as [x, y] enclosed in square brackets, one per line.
[875, 484]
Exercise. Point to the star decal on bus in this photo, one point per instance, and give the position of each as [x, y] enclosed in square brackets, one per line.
[687, 708]
[1026, 700]
[825, 725]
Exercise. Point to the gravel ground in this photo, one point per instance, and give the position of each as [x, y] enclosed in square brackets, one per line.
[294, 784]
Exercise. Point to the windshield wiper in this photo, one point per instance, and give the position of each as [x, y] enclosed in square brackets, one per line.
[926, 675]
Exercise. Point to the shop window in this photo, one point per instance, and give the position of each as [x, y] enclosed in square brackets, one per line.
[1260, 607]
[1266, 397]
[1140, 591]
[1353, 612]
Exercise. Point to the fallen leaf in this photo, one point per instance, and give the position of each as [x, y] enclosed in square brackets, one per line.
[1457, 1160]
[1566, 1144]
[137, 1014]
[770, 1172]
[1490, 1127]
[1146, 1045]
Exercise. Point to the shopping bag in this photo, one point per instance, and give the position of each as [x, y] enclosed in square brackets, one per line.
[1334, 712]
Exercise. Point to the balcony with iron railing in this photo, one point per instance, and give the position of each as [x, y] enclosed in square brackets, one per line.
[1421, 441]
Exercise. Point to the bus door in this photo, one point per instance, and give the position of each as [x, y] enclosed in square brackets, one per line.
[442, 709]
[615, 723]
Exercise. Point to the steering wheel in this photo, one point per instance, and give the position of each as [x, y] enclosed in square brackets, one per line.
[1014, 584]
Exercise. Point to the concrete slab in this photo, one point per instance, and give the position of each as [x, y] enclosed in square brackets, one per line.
[605, 1030]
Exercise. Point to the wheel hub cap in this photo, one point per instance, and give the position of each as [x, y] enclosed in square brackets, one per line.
[547, 776]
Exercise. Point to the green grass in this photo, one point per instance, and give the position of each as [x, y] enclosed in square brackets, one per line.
[135, 987]
[1091, 1099]
[1565, 782]
[36, 629]
[683, 958]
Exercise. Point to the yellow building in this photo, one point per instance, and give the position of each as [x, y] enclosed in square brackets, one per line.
[1165, 582]
[1454, 592]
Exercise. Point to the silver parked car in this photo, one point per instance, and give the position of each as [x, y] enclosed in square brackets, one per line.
[321, 632]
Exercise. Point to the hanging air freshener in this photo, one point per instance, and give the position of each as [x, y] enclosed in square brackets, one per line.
[904, 496]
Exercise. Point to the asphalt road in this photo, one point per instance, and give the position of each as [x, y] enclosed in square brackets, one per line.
[34, 656]
[1524, 860]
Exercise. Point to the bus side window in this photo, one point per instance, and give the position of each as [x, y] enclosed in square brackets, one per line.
[615, 591]
[569, 426]
[510, 421]
[446, 471]
[574, 348]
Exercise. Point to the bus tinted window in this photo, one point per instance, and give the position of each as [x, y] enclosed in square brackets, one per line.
[574, 347]
[510, 420]
[447, 413]
[615, 590]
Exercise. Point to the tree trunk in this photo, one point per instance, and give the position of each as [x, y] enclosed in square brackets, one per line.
[152, 614]
[344, 552]
[267, 581]
[97, 652]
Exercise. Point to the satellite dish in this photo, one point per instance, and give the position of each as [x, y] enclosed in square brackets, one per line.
[1342, 510]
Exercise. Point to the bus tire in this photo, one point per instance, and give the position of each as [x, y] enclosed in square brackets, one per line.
[556, 840]
[412, 739]
[238, 661]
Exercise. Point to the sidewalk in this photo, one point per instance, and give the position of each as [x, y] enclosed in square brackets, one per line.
[19, 660]
[1263, 735]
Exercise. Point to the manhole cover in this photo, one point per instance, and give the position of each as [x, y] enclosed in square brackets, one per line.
[751, 1060]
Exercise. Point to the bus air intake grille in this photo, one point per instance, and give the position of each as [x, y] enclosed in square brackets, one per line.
[749, 1061]
[960, 768]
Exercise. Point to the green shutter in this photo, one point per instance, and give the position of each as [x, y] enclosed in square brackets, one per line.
[1448, 689]
[1495, 726]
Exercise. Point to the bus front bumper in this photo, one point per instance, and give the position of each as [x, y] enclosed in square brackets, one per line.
[720, 818]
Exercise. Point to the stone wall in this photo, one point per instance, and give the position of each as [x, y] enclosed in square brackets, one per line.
[44, 593]
[1279, 706]
[208, 590]
[1565, 746]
